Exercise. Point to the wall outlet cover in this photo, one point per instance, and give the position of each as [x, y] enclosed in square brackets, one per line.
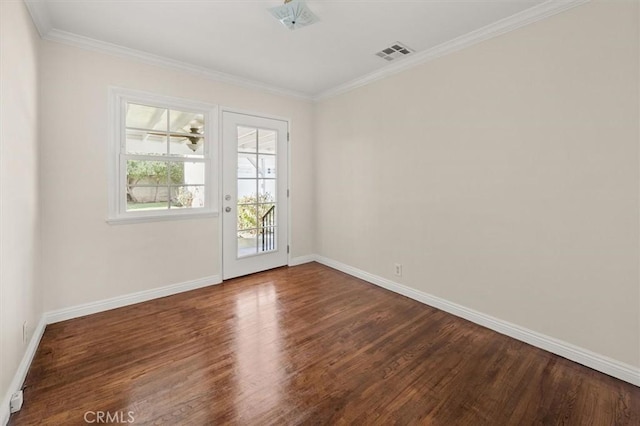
[398, 269]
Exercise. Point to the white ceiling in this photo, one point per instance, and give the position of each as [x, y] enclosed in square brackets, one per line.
[242, 39]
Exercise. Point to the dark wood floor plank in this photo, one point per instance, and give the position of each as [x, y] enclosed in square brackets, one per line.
[307, 345]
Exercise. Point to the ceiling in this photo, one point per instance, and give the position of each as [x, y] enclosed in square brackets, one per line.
[241, 39]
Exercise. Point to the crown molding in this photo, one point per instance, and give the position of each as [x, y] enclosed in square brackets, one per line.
[162, 61]
[40, 14]
[513, 22]
[149, 58]
[41, 17]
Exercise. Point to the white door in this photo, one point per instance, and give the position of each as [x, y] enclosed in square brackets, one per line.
[254, 185]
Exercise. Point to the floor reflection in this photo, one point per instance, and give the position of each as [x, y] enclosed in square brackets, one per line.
[259, 368]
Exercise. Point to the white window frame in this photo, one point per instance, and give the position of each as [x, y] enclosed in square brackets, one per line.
[118, 99]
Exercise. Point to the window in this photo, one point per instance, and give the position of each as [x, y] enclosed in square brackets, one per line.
[161, 158]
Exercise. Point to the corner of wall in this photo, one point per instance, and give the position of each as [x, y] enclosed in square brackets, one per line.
[21, 299]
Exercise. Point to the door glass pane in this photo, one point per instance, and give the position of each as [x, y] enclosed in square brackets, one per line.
[267, 189]
[267, 227]
[267, 239]
[267, 141]
[247, 191]
[247, 216]
[247, 164]
[247, 139]
[247, 243]
[267, 166]
[266, 215]
[256, 217]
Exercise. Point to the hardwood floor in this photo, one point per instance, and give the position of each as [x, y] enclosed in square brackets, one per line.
[306, 345]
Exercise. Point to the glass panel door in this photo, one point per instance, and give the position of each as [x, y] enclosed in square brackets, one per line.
[255, 159]
[257, 191]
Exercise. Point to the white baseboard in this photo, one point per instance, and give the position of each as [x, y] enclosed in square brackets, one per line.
[23, 369]
[88, 309]
[127, 299]
[620, 370]
[300, 260]
[598, 362]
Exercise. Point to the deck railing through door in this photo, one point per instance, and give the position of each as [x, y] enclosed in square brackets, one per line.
[268, 230]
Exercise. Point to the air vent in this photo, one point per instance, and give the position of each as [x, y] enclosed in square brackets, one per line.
[396, 51]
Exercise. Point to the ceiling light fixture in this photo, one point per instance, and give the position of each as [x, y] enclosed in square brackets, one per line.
[294, 14]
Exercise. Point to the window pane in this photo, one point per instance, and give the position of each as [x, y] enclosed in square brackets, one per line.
[267, 190]
[247, 191]
[247, 166]
[267, 166]
[142, 142]
[146, 117]
[159, 166]
[187, 197]
[184, 122]
[267, 141]
[176, 173]
[247, 139]
[140, 198]
[247, 217]
[187, 147]
[193, 173]
[146, 172]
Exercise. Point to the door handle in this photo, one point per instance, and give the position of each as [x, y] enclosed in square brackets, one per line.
[227, 209]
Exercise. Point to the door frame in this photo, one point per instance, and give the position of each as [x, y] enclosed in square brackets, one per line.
[221, 111]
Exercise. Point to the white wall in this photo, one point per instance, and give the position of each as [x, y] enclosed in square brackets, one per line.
[20, 291]
[84, 258]
[504, 178]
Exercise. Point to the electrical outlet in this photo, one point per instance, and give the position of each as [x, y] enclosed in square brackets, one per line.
[25, 332]
[398, 269]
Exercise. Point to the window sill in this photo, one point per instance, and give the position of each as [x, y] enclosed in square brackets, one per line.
[159, 218]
